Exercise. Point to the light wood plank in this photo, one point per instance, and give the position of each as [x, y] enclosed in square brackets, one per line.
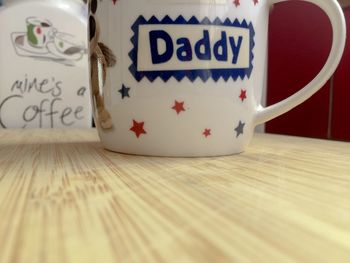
[65, 199]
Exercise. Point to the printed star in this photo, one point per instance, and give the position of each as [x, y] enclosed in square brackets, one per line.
[138, 129]
[256, 2]
[240, 129]
[243, 95]
[124, 91]
[179, 107]
[207, 132]
[236, 2]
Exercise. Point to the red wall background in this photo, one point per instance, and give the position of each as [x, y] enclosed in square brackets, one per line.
[300, 38]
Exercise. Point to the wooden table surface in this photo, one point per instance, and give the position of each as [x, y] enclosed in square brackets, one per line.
[65, 199]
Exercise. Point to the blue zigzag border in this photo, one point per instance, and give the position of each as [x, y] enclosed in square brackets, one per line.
[203, 74]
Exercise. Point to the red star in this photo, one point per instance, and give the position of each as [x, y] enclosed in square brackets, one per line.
[256, 2]
[207, 132]
[236, 2]
[243, 95]
[138, 129]
[114, 1]
[179, 107]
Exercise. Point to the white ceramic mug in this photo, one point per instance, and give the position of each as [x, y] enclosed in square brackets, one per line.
[44, 72]
[189, 74]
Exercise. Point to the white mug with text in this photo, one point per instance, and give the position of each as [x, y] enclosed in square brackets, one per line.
[185, 77]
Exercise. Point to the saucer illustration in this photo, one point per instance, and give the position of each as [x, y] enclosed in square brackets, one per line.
[43, 42]
[23, 48]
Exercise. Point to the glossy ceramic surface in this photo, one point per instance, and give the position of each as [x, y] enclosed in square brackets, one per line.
[189, 74]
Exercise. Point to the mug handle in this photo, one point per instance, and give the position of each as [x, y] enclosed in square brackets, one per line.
[335, 14]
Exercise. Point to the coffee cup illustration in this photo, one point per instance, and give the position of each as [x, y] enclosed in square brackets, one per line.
[66, 44]
[39, 31]
[43, 41]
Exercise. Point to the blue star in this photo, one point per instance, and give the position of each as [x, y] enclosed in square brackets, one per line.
[124, 91]
[240, 129]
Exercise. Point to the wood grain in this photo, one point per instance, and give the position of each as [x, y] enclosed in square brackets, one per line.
[65, 199]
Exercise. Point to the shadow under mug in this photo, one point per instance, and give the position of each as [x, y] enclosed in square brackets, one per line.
[189, 75]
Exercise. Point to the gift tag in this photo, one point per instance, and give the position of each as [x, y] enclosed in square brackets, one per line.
[44, 74]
